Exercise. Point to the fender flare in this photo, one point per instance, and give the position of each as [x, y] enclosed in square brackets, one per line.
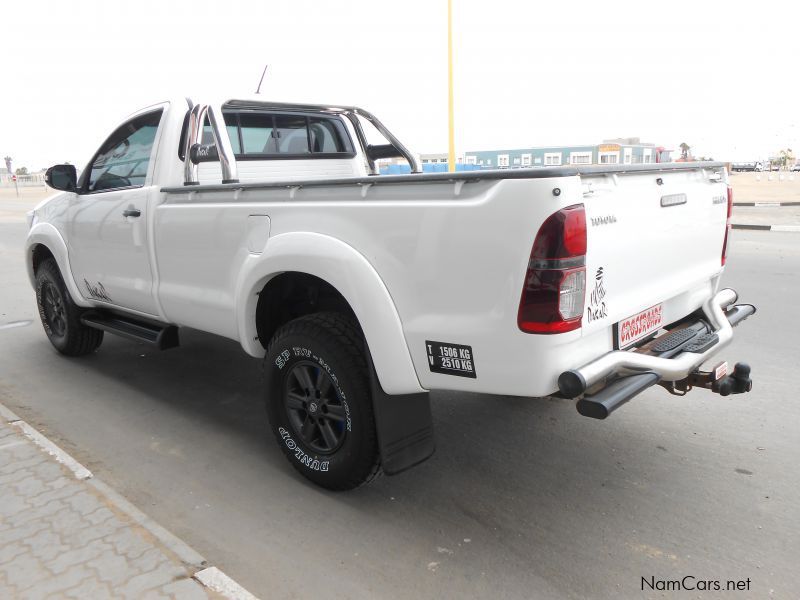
[47, 235]
[354, 278]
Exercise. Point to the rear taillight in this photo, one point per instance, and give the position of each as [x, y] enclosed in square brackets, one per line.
[555, 282]
[727, 226]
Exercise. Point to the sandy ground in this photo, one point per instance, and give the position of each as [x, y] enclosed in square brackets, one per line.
[13, 206]
[766, 187]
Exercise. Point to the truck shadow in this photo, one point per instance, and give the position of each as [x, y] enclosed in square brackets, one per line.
[498, 442]
[513, 477]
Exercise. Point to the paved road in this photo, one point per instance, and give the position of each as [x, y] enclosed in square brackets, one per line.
[759, 215]
[523, 499]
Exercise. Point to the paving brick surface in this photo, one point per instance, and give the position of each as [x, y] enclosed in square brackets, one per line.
[62, 538]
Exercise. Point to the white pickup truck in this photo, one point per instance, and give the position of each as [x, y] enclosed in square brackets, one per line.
[269, 224]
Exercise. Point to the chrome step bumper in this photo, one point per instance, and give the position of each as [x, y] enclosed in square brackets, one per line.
[618, 363]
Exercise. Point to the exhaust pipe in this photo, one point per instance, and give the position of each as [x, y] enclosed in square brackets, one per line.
[615, 394]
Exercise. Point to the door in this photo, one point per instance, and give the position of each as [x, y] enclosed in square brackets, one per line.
[108, 233]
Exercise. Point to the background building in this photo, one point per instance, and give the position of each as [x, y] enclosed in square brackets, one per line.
[623, 151]
[628, 151]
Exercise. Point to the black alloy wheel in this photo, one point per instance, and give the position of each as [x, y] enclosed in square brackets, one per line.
[314, 408]
[54, 311]
[319, 400]
[60, 316]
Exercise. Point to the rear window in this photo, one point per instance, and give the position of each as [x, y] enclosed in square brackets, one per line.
[291, 133]
[256, 131]
[259, 136]
[324, 137]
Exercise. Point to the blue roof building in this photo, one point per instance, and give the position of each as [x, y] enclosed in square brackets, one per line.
[619, 151]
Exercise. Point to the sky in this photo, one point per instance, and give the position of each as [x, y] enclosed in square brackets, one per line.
[720, 76]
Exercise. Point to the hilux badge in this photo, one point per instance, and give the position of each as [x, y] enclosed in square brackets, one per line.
[606, 220]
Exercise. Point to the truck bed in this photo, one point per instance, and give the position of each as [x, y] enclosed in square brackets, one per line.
[488, 174]
[452, 250]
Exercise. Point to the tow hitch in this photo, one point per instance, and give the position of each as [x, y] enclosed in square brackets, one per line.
[717, 380]
[619, 391]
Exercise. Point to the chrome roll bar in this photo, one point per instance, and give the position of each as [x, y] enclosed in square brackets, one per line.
[230, 174]
[194, 135]
[353, 112]
[227, 160]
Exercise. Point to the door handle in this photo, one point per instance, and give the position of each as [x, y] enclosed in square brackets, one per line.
[131, 212]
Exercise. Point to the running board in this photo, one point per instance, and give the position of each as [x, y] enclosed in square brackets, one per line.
[160, 335]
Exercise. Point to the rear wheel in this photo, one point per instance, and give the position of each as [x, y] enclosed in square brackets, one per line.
[61, 317]
[319, 402]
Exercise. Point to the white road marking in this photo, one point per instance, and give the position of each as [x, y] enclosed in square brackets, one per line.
[14, 324]
[65, 459]
[795, 228]
[217, 581]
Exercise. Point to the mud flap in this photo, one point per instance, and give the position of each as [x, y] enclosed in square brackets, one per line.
[404, 424]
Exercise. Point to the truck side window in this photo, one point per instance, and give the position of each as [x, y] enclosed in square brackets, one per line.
[324, 136]
[123, 159]
[269, 136]
[292, 134]
[257, 135]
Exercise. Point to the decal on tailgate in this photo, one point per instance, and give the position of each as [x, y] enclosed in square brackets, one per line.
[639, 326]
[450, 359]
[597, 308]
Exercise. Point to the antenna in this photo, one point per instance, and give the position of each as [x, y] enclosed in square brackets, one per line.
[260, 81]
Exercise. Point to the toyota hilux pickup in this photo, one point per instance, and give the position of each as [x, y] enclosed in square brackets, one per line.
[268, 223]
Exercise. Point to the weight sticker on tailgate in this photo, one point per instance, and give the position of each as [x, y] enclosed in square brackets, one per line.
[450, 359]
[639, 326]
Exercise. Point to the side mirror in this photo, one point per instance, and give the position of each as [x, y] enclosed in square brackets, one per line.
[62, 177]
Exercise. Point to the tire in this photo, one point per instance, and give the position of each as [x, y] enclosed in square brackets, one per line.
[319, 402]
[61, 317]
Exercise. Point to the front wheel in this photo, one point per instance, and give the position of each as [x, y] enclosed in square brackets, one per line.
[61, 317]
[319, 403]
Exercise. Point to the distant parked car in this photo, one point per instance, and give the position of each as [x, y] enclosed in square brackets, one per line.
[796, 167]
[747, 166]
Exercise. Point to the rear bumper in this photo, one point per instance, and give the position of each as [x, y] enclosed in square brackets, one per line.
[670, 358]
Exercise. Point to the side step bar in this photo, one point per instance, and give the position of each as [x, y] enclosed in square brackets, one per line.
[160, 335]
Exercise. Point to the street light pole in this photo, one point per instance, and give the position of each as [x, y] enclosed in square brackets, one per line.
[451, 151]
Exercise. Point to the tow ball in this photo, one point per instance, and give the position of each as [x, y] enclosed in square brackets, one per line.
[717, 380]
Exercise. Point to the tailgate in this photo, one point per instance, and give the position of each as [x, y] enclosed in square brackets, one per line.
[654, 245]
